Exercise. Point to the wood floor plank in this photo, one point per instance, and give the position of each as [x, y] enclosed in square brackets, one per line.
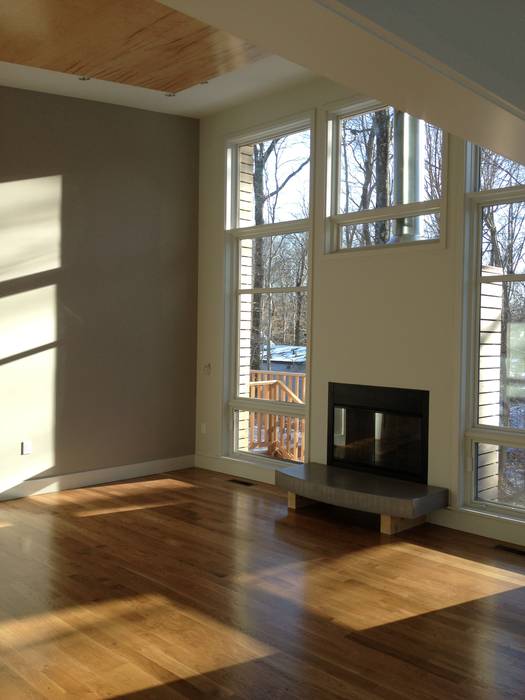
[186, 585]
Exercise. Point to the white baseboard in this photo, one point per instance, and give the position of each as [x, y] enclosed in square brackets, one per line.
[236, 467]
[92, 477]
[484, 524]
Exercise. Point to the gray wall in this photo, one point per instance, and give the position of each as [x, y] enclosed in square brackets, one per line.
[123, 371]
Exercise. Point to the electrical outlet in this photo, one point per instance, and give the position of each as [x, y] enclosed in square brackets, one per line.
[26, 447]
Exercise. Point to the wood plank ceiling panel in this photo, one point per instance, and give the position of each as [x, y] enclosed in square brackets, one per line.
[137, 42]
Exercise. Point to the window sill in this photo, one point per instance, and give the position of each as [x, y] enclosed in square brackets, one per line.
[266, 462]
[434, 245]
[494, 512]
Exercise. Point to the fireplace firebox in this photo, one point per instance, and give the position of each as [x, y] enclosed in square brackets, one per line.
[379, 430]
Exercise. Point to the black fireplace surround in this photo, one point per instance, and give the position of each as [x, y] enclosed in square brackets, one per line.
[379, 430]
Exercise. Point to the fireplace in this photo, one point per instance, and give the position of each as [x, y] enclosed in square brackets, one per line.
[379, 430]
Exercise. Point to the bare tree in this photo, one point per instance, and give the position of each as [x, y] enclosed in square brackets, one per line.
[383, 135]
[365, 154]
[371, 173]
[275, 165]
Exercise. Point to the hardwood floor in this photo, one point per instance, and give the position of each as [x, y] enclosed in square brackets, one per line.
[190, 586]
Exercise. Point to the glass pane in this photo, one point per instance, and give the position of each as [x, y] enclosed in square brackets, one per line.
[274, 180]
[386, 440]
[496, 171]
[501, 398]
[503, 239]
[272, 346]
[388, 157]
[390, 232]
[500, 474]
[274, 261]
[270, 435]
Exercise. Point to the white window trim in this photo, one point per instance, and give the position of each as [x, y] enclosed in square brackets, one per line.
[295, 226]
[278, 128]
[235, 233]
[475, 432]
[334, 220]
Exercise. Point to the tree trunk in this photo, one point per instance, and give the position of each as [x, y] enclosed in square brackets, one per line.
[366, 190]
[258, 261]
[299, 300]
[381, 130]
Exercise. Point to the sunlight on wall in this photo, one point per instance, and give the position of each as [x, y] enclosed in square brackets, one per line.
[27, 321]
[29, 226]
[28, 413]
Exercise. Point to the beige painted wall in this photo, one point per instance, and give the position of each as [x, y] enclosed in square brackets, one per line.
[384, 317]
[98, 257]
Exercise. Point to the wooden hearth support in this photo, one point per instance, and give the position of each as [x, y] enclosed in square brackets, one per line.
[295, 501]
[391, 525]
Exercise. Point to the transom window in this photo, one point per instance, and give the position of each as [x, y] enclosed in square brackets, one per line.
[497, 172]
[274, 179]
[385, 181]
[270, 238]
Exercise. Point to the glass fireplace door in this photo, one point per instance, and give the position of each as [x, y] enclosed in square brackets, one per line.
[382, 439]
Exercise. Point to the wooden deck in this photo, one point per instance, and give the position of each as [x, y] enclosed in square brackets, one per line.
[277, 435]
[190, 586]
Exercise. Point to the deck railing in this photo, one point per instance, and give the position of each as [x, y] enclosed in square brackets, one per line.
[279, 436]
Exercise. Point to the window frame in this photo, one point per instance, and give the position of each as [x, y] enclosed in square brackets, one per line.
[476, 432]
[335, 220]
[234, 234]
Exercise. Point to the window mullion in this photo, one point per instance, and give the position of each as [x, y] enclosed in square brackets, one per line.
[397, 211]
[506, 195]
[269, 406]
[272, 290]
[487, 279]
[285, 227]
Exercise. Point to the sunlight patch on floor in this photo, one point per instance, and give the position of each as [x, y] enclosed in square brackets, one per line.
[142, 621]
[379, 585]
[122, 509]
[134, 490]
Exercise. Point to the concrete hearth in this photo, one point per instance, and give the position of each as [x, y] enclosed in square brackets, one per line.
[401, 504]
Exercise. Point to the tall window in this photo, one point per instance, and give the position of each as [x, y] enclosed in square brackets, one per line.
[497, 435]
[269, 231]
[385, 179]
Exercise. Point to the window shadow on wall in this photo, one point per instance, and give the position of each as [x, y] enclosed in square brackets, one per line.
[30, 252]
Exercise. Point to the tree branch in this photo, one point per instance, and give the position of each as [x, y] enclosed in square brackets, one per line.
[286, 180]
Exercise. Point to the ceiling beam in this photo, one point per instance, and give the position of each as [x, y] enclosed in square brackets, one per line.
[337, 43]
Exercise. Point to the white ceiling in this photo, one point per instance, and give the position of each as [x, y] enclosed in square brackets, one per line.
[481, 39]
[263, 76]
